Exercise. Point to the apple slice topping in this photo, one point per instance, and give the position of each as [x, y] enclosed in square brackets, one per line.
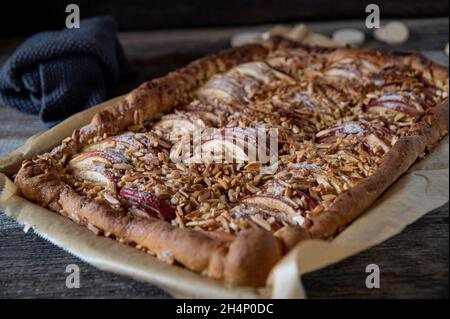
[355, 69]
[234, 144]
[278, 206]
[374, 138]
[241, 83]
[224, 88]
[263, 72]
[296, 180]
[175, 126]
[298, 194]
[262, 217]
[147, 203]
[122, 142]
[91, 159]
[347, 71]
[97, 175]
[376, 144]
[345, 129]
[403, 102]
[217, 149]
[97, 167]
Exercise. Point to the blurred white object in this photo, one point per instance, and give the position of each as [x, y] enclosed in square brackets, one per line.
[299, 33]
[446, 49]
[320, 40]
[245, 38]
[353, 37]
[392, 33]
[276, 30]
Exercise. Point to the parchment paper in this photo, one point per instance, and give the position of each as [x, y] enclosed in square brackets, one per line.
[424, 187]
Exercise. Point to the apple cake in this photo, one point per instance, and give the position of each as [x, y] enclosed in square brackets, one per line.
[348, 123]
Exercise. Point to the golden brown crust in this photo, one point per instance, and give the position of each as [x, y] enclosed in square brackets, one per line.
[353, 202]
[233, 262]
[291, 236]
[251, 257]
[247, 258]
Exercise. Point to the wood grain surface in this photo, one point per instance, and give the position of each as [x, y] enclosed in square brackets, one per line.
[413, 264]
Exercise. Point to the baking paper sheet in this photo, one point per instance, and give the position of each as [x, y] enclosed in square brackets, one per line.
[424, 187]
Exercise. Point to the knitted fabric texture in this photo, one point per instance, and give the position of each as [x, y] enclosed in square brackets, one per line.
[55, 74]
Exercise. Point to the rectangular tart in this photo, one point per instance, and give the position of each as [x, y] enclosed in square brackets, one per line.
[348, 123]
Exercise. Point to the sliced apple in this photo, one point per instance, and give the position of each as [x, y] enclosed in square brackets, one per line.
[263, 72]
[148, 203]
[373, 138]
[347, 72]
[224, 88]
[274, 188]
[272, 203]
[354, 69]
[97, 175]
[365, 63]
[91, 159]
[221, 148]
[242, 82]
[292, 175]
[391, 106]
[127, 140]
[179, 122]
[370, 66]
[93, 166]
[174, 126]
[403, 103]
[276, 204]
[235, 144]
[375, 143]
[347, 128]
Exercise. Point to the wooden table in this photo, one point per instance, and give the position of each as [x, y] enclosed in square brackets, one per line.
[413, 264]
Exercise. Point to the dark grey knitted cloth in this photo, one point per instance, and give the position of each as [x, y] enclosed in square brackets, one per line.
[58, 73]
